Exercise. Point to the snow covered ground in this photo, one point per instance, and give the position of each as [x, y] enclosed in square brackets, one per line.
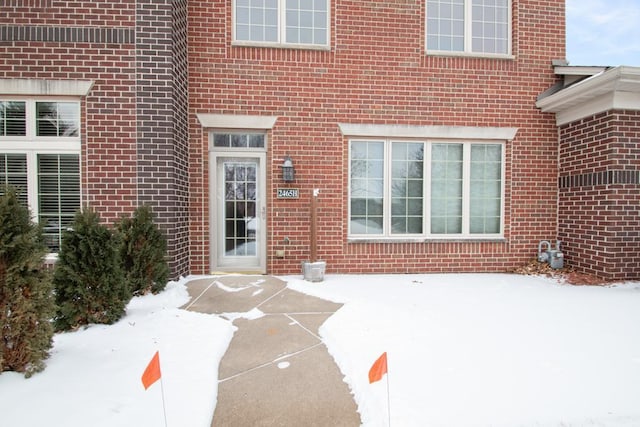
[463, 350]
[93, 376]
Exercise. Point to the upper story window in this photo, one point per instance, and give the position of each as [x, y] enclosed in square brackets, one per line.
[469, 26]
[40, 158]
[282, 22]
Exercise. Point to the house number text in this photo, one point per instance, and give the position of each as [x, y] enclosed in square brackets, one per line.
[288, 193]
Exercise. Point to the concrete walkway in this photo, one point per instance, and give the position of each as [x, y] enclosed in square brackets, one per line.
[276, 371]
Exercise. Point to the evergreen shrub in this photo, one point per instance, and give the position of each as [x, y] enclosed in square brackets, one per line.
[143, 252]
[89, 282]
[26, 300]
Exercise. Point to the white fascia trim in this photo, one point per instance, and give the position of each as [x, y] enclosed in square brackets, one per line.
[607, 102]
[34, 87]
[436, 132]
[617, 88]
[578, 70]
[236, 121]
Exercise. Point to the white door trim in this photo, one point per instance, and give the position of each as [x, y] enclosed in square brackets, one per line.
[216, 202]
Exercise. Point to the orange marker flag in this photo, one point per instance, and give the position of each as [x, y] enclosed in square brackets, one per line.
[152, 373]
[378, 369]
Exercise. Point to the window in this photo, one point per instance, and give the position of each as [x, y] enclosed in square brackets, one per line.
[425, 189]
[282, 22]
[238, 140]
[469, 26]
[40, 158]
[12, 118]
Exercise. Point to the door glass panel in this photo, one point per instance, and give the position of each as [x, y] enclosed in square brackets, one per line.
[240, 208]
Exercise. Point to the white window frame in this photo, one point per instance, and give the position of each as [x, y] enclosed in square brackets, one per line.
[468, 35]
[387, 235]
[281, 31]
[32, 145]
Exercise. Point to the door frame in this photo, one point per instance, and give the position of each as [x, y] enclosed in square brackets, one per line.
[216, 228]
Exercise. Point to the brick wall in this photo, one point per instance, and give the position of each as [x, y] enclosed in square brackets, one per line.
[134, 135]
[377, 72]
[599, 194]
[84, 40]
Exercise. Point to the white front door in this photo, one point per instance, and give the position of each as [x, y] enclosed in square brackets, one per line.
[238, 235]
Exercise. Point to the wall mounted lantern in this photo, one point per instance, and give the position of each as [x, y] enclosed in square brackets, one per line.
[288, 173]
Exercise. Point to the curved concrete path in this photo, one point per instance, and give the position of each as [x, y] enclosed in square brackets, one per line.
[276, 371]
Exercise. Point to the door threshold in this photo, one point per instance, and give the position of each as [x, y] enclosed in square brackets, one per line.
[237, 272]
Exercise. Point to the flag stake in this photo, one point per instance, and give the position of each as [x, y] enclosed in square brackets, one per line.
[377, 371]
[151, 374]
[388, 396]
[164, 407]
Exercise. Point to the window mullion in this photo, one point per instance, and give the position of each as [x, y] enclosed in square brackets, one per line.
[468, 25]
[386, 198]
[426, 190]
[32, 185]
[282, 21]
[30, 117]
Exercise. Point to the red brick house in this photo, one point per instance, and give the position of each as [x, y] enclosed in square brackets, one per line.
[421, 123]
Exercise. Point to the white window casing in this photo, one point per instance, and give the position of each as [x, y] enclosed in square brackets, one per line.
[469, 28]
[301, 24]
[380, 227]
[50, 146]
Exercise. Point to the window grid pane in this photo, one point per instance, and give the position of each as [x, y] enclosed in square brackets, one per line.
[485, 188]
[237, 140]
[257, 21]
[490, 26]
[13, 173]
[445, 25]
[58, 195]
[13, 121]
[367, 187]
[446, 188]
[60, 119]
[240, 181]
[406, 188]
[306, 21]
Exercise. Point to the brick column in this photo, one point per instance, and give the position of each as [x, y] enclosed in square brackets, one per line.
[161, 42]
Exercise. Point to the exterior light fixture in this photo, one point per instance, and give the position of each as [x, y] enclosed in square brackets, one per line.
[288, 173]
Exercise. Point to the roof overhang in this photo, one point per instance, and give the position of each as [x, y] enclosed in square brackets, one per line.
[609, 89]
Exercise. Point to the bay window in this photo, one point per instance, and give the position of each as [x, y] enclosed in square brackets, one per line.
[421, 189]
[40, 158]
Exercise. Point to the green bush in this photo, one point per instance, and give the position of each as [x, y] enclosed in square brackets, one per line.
[143, 252]
[89, 282]
[26, 301]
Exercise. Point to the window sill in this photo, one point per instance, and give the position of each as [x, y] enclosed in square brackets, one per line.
[281, 45]
[471, 55]
[356, 240]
